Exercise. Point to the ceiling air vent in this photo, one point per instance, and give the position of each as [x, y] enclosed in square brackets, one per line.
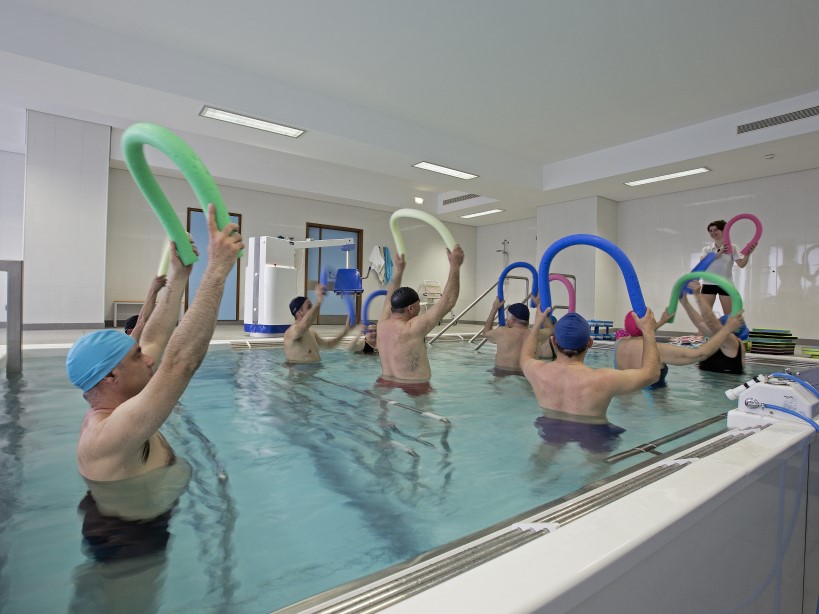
[779, 119]
[458, 199]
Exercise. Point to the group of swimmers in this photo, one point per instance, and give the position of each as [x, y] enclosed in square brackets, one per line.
[133, 381]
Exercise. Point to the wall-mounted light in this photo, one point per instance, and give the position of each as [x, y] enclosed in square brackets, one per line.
[419, 200]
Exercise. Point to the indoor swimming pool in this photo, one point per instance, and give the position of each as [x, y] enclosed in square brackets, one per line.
[306, 477]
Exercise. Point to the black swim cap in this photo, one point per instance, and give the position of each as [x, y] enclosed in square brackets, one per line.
[520, 311]
[404, 297]
[296, 304]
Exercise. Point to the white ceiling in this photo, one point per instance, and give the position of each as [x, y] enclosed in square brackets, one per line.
[545, 101]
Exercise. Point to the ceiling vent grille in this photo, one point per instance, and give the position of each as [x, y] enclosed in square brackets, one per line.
[458, 199]
[779, 119]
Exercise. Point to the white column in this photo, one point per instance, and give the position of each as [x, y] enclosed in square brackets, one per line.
[66, 207]
[597, 274]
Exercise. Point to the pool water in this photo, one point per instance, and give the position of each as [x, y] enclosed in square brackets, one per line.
[303, 478]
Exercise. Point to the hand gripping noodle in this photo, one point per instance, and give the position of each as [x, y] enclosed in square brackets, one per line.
[133, 140]
[726, 233]
[736, 299]
[433, 221]
[635, 294]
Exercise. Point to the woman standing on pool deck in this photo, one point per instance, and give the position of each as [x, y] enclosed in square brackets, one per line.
[723, 265]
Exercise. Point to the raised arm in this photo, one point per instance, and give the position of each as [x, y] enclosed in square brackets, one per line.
[497, 305]
[430, 318]
[528, 351]
[160, 326]
[693, 313]
[303, 325]
[629, 380]
[397, 273]
[334, 341]
[139, 417]
[148, 306]
[676, 355]
[743, 261]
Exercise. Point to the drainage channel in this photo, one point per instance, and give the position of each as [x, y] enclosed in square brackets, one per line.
[461, 556]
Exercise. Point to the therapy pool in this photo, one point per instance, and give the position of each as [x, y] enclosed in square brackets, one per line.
[307, 478]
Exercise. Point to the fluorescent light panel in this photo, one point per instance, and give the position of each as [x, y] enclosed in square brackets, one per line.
[482, 213]
[250, 122]
[693, 171]
[436, 168]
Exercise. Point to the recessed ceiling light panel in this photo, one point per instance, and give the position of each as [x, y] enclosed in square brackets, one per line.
[437, 168]
[250, 122]
[491, 211]
[693, 171]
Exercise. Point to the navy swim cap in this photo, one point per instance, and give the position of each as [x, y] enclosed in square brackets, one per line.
[404, 297]
[520, 311]
[95, 355]
[743, 332]
[572, 332]
[296, 304]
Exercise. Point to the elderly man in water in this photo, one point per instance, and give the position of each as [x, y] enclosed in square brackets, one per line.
[129, 398]
[510, 338]
[301, 343]
[569, 391]
[402, 328]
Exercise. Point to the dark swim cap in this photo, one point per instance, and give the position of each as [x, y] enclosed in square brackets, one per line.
[520, 311]
[572, 332]
[743, 332]
[404, 297]
[296, 304]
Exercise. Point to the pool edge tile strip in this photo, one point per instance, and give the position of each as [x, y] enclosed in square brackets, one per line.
[417, 578]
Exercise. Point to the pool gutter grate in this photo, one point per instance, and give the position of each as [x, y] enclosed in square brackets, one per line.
[427, 575]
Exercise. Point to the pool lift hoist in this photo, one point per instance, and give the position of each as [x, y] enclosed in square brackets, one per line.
[767, 399]
[271, 281]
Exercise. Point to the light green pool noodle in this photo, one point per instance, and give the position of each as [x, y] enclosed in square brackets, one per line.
[736, 299]
[430, 219]
[180, 153]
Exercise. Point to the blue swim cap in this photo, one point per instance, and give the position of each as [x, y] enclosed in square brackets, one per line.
[572, 332]
[743, 333]
[520, 311]
[95, 355]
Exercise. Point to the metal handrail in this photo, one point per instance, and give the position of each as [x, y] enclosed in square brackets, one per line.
[14, 334]
[454, 320]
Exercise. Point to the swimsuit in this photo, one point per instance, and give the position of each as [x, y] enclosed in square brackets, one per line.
[502, 372]
[414, 389]
[596, 438]
[720, 363]
[660, 383]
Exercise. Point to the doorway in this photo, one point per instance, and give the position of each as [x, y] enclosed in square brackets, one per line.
[333, 309]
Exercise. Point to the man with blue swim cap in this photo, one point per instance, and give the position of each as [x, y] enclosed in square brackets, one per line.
[730, 356]
[129, 402]
[301, 344]
[510, 338]
[566, 389]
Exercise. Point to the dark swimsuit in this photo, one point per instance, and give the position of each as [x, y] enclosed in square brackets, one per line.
[414, 389]
[596, 438]
[720, 363]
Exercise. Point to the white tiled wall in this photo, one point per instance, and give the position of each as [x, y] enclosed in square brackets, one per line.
[135, 236]
[12, 179]
[663, 236]
[780, 286]
[66, 204]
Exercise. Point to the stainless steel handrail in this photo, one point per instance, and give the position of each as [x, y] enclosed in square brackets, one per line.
[14, 295]
[454, 320]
